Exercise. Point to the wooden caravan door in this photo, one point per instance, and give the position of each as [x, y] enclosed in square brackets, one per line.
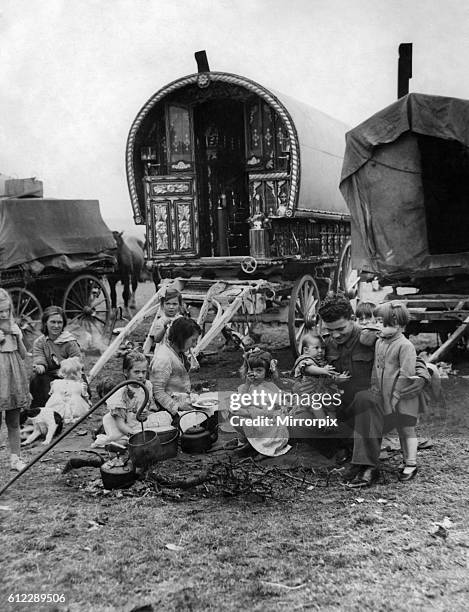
[172, 216]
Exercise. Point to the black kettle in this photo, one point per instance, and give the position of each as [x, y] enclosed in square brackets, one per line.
[198, 431]
[196, 439]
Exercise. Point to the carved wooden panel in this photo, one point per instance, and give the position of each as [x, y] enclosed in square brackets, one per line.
[172, 208]
[267, 140]
[184, 221]
[161, 217]
[269, 193]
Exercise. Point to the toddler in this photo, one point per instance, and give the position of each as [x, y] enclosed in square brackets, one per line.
[69, 394]
[313, 375]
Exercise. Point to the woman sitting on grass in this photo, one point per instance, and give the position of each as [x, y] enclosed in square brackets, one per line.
[170, 367]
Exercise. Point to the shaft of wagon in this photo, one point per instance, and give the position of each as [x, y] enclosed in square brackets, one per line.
[451, 341]
[72, 427]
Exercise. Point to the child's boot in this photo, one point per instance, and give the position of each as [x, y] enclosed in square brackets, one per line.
[16, 463]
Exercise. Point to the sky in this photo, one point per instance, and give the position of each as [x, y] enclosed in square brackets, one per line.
[74, 74]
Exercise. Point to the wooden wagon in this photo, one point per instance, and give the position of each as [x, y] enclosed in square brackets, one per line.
[55, 252]
[238, 188]
[406, 181]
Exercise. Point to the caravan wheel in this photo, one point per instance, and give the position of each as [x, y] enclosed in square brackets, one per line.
[303, 310]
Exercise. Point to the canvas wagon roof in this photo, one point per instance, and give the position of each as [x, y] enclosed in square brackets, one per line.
[34, 229]
[405, 179]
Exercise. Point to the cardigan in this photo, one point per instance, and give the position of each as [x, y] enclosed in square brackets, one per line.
[50, 353]
[170, 379]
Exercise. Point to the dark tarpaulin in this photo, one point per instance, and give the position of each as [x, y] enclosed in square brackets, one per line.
[405, 179]
[33, 230]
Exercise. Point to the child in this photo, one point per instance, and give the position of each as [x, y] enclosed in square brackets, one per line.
[364, 313]
[365, 317]
[14, 384]
[271, 438]
[171, 308]
[69, 393]
[313, 375]
[393, 372]
[120, 421]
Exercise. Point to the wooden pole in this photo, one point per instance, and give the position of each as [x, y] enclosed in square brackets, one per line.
[452, 340]
[131, 325]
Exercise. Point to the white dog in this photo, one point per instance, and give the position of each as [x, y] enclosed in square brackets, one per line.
[45, 424]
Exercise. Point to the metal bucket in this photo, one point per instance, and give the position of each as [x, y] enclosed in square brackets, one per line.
[145, 448]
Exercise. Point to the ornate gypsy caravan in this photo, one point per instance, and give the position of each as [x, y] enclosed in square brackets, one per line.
[238, 186]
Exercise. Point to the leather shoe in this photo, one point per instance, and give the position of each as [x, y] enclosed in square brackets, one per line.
[365, 478]
[403, 477]
[352, 472]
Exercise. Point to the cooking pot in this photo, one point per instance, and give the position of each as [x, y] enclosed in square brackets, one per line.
[145, 448]
[117, 476]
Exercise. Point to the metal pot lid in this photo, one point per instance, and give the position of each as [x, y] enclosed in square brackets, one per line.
[191, 419]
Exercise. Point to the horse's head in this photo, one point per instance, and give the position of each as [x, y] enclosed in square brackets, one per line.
[118, 238]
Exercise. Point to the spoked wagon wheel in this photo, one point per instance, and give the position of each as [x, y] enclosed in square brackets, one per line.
[27, 312]
[86, 303]
[346, 279]
[303, 310]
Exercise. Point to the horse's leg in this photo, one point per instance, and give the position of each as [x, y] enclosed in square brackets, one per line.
[126, 294]
[135, 280]
[112, 292]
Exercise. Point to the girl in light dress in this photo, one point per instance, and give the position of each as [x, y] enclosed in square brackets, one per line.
[14, 383]
[271, 438]
[69, 393]
[120, 422]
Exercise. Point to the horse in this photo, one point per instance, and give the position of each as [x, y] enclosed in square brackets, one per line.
[130, 264]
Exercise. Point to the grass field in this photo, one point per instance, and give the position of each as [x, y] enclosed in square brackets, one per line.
[261, 538]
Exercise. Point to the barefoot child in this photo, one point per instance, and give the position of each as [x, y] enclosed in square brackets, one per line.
[270, 438]
[119, 422]
[14, 384]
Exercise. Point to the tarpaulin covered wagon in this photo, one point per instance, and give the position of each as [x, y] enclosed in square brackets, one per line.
[55, 251]
[405, 179]
[238, 188]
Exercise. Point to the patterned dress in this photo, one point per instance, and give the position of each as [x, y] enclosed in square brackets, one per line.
[270, 439]
[14, 383]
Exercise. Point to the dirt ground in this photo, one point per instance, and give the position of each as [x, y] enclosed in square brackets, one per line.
[267, 536]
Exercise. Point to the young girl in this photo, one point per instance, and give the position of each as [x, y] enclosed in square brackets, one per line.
[120, 421]
[14, 384]
[270, 438]
[393, 372]
[69, 393]
[171, 308]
